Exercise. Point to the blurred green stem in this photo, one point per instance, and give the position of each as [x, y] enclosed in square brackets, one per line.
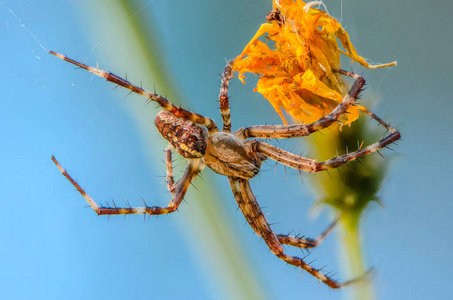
[349, 191]
[350, 242]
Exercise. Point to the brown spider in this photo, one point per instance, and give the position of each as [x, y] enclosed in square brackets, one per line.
[231, 155]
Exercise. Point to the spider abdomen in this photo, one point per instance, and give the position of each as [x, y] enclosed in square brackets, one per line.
[227, 155]
[188, 139]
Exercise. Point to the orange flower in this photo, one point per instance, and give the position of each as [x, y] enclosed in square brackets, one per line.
[296, 74]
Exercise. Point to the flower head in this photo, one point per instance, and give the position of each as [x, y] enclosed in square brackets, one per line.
[297, 72]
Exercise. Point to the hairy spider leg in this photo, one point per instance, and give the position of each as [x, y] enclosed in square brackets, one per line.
[380, 121]
[178, 190]
[169, 167]
[298, 130]
[253, 213]
[311, 165]
[303, 242]
[255, 217]
[224, 98]
[162, 101]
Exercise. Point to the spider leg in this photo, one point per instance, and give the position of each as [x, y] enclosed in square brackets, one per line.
[224, 99]
[380, 121]
[169, 168]
[297, 130]
[162, 101]
[253, 213]
[178, 190]
[303, 242]
[255, 217]
[311, 165]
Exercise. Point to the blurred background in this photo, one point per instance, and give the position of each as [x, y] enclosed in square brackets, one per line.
[53, 247]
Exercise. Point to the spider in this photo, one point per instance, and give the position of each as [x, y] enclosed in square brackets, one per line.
[199, 140]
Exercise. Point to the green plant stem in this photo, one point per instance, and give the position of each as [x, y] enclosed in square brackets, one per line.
[348, 192]
[353, 257]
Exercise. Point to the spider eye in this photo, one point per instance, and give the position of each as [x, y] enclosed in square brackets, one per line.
[188, 139]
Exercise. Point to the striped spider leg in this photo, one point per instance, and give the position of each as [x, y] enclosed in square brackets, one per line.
[178, 190]
[199, 141]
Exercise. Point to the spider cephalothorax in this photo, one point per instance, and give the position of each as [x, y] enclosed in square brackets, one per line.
[229, 156]
[232, 155]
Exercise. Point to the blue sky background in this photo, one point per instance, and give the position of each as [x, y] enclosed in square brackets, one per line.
[52, 247]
